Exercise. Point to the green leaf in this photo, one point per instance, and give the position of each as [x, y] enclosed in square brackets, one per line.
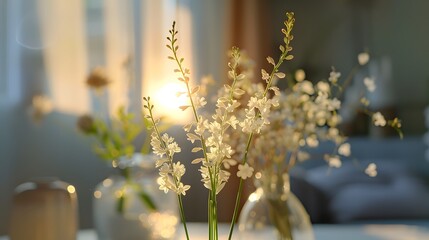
[102, 153]
[129, 150]
[401, 134]
[120, 204]
[271, 60]
[280, 75]
[147, 201]
[147, 123]
[289, 57]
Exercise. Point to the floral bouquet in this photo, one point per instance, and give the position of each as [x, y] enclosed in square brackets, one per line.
[254, 125]
[115, 140]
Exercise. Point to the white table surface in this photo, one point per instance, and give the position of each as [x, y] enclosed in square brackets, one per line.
[198, 231]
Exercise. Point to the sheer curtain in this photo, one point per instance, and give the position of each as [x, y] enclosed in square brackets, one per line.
[65, 54]
[134, 68]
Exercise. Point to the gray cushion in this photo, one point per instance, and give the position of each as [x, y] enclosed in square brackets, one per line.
[393, 193]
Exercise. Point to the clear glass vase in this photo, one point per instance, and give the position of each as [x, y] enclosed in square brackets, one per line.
[129, 205]
[274, 212]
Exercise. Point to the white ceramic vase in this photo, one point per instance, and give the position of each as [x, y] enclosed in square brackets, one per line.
[129, 205]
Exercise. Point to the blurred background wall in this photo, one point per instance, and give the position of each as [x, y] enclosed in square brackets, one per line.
[328, 33]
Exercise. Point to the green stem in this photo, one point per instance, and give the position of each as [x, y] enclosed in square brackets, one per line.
[347, 81]
[182, 215]
[214, 212]
[120, 204]
[277, 207]
[279, 214]
[235, 214]
[210, 215]
[194, 110]
[240, 190]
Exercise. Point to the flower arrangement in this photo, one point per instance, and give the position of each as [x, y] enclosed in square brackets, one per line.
[115, 140]
[254, 125]
[306, 115]
[212, 133]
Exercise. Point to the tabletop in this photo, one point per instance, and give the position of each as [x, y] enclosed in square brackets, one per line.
[198, 231]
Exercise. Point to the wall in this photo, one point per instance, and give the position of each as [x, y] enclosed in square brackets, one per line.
[332, 33]
[399, 30]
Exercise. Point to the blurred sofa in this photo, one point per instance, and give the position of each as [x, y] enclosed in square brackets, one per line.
[344, 195]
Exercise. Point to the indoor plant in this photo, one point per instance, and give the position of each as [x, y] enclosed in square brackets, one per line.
[127, 204]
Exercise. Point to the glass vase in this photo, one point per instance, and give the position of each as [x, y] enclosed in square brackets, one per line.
[129, 206]
[274, 212]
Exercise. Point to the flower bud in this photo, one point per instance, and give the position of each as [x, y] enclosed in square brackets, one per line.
[85, 124]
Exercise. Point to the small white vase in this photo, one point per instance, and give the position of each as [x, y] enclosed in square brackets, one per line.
[129, 205]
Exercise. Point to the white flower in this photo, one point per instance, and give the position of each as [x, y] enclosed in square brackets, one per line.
[233, 122]
[371, 170]
[378, 119]
[156, 145]
[178, 170]
[232, 105]
[302, 156]
[173, 148]
[42, 104]
[181, 189]
[334, 104]
[199, 102]
[164, 170]
[312, 141]
[202, 126]
[333, 161]
[364, 101]
[344, 149]
[244, 171]
[246, 126]
[206, 176]
[369, 84]
[167, 139]
[276, 91]
[299, 75]
[306, 87]
[333, 132]
[163, 184]
[227, 163]
[265, 75]
[323, 86]
[255, 122]
[160, 162]
[253, 103]
[363, 58]
[334, 120]
[333, 76]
